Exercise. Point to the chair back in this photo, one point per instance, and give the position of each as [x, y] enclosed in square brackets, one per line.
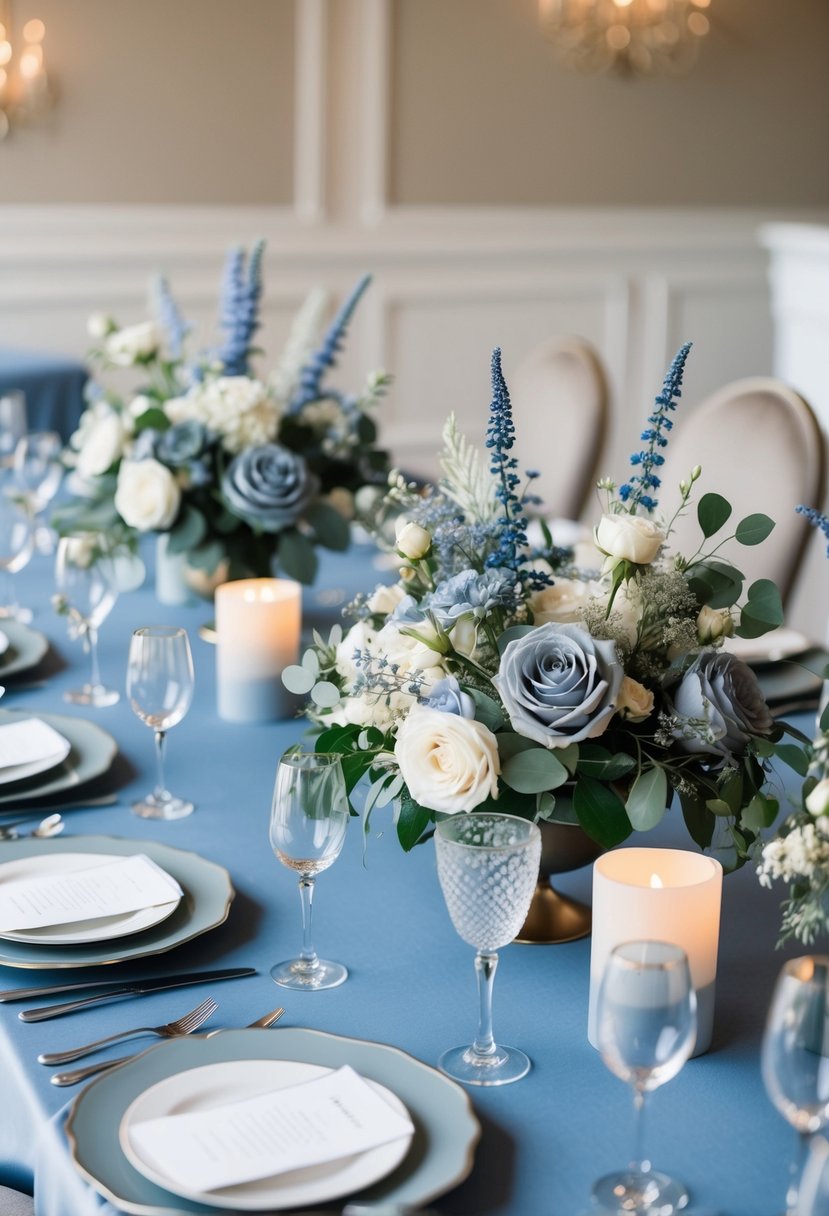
[560, 402]
[760, 446]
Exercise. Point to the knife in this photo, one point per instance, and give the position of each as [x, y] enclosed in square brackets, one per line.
[116, 990]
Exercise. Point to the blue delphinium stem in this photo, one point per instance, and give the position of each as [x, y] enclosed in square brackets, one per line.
[817, 520]
[636, 492]
[311, 377]
[239, 308]
[170, 319]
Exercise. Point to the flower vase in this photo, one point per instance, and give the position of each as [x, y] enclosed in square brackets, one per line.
[553, 917]
[171, 585]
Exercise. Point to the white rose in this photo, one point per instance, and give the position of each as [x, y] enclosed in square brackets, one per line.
[99, 325]
[407, 651]
[101, 444]
[126, 346]
[148, 496]
[449, 763]
[631, 538]
[714, 623]
[385, 599]
[564, 602]
[817, 803]
[413, 541]
[634, 701]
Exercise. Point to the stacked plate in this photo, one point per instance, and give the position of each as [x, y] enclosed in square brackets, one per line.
[205, 903]
[86, 754]
[21, 649]
[199, 1072]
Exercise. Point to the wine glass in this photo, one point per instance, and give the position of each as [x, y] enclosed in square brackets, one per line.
[16, 547]
[160, 688]
[38, 469]
[87, 588]
[12, 424]
[647, 1028]
[309, 815]
[813, 1192]
[796, 1054]
[488, 870]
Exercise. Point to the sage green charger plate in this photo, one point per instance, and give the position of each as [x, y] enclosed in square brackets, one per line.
[92, 752]
[26, 648]
[440, 1156]
[208, 893]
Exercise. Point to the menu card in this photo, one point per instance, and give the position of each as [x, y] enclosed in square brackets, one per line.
[28, 741]
[126, 884]
[287, 1129]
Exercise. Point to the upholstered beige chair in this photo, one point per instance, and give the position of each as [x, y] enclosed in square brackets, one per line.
[760, 446]
[560, 401]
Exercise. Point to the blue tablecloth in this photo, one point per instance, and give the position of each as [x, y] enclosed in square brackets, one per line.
[53, 386]
[411, 978]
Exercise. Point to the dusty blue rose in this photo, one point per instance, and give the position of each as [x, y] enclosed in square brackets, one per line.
[182, 444]
[447, 696]
[558, 684]
[268, 487]
[719, 706]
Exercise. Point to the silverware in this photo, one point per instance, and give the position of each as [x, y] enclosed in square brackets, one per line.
[139, 988]
[183, 1025]
[52, 825]
[267, 1020]
[194, 1020]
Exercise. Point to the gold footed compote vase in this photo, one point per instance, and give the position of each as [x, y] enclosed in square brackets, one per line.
[555, 918]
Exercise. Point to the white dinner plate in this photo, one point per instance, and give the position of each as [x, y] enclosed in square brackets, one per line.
[219, 1084]
[4, 642]
[780, 644]
[76, 933]
[19, 772]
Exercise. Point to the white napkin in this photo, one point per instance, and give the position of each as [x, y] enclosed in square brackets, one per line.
[30, 741]
[289, 1129]
[127, 884]
[4, 642]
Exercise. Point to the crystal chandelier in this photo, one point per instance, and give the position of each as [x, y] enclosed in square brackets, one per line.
[632, 37]
[25, 96]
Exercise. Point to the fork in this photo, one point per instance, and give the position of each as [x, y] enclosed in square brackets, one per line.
[183, 1025]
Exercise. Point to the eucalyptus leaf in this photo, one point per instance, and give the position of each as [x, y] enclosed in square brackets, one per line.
[330, 528]
[754, 529]
[311, 663]
[510, 744]
[487, 710]
[597, 761]
[187, 532]
[794, 757]
[715, 583]
[713, 511]
[325, 694]
[511, 634]
[296, 556]
[601, 813]
[647, 801]
[533, 771]
[760, 813]
[298, 680]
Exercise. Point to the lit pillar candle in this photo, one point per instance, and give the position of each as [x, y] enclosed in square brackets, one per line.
[658, 895]
[257, 636]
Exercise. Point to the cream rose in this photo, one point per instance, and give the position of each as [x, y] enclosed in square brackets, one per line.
[385, 599]
[412, 541]
[817, 803]
[633, 700]
[99, 324]
[564, 602]
[102, 444]
[126, 346]
[714, 623]
[631, 538]
[449, 763]
[147, 496]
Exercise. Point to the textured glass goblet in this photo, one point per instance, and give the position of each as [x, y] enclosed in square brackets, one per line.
[309, 816]
[647, 1028]
[488, 869]
[796, 1055]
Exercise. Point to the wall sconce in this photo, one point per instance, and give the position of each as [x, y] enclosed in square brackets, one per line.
[631, 37]
[25, 96]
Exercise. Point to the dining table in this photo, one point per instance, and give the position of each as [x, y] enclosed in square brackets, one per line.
[411, 983]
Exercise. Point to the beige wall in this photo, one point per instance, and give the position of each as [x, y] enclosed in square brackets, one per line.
[161, 101]
[483, 113]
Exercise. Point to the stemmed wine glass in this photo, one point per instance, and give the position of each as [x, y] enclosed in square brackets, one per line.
[647, 1028]
[160, 688]
[309, 815]
[488, 870]
[813, 1192]
[38, 469]
[16, 547]
[796, 1054]
[13, 424]
[87, 588]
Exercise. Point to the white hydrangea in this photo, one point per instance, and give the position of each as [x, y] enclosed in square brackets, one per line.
[800, 854]
[409, 656]
[237, 408]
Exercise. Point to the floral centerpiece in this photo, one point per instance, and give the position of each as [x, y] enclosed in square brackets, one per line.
[230, 467]
[497, 676]
[799, 853]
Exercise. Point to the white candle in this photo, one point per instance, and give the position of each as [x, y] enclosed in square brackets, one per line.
[663, 895]
[257, 636]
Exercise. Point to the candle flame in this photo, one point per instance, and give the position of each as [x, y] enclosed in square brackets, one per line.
[656, 881]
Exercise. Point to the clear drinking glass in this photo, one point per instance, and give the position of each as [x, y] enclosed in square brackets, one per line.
[16, 547]
[813, 1192]
[796, 1055]
[12, 424]
[86, 579]
[160, 681]
[309, 816]
[39, 471]
[488, 870]
[647, 1028]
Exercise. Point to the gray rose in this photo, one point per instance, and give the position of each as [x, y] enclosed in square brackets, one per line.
[559, 684]
[181, 444]
[719, 706]
[268, 486]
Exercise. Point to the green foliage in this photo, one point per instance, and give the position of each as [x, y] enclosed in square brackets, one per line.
[601, 813]
[187, 532]
[330, 528]
[754, 529]
[647, 801]
[533, 771]
[762, 611]
[297, 556]
[713, 512]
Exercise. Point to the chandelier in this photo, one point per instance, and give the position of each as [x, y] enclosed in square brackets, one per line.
[25, 96]
[631, 37]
